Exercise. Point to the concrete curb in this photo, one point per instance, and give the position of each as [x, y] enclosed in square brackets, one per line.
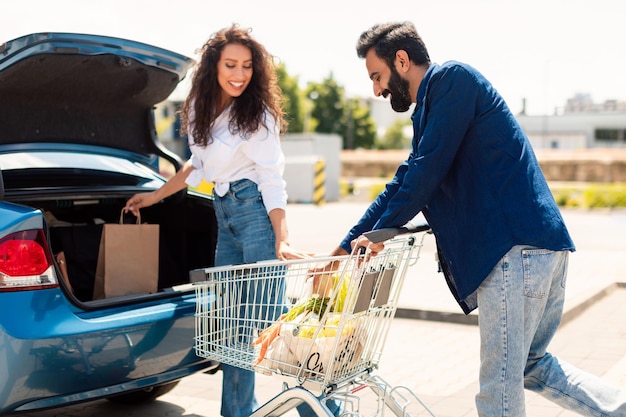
[472, 319]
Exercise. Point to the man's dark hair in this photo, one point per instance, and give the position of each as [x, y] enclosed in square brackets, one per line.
[388, 38]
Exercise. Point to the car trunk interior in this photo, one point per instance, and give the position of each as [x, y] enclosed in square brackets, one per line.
[187, 235]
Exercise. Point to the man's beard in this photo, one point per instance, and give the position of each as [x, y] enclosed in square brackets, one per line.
[399, 89]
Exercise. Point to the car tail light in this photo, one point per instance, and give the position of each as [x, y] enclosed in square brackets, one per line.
[25, 262]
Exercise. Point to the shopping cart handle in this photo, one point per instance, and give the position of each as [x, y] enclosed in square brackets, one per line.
[380, 235]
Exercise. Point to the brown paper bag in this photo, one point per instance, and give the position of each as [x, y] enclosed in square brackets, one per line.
[128, 260]
[60, 258]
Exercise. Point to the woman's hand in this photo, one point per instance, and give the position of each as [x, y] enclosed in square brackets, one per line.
[285, 252]
[173, 185]
[139, 201]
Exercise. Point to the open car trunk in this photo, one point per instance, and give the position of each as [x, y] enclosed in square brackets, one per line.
[78, 138]
[187, 236]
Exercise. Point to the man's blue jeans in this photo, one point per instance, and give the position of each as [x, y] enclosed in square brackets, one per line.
[520, 309]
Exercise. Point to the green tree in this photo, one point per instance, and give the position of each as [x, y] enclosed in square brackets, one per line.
[333, 113]
[328, 105]
[395, 136]
[360, 129]
[294, 99]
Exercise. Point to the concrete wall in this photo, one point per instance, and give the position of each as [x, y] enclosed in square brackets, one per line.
[302, 151]
[589, 165]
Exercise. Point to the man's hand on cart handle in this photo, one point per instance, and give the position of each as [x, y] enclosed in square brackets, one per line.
[362, 243]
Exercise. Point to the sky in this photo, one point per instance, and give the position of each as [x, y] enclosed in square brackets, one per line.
[540, 52]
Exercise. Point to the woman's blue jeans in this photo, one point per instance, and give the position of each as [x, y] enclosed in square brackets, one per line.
[245, 235]
[520, 309]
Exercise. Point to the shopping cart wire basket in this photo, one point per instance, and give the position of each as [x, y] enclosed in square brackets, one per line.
[322, 320]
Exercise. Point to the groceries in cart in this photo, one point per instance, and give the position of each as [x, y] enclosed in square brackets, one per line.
[310, 333]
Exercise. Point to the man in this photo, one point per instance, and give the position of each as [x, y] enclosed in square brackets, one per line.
[502, 242]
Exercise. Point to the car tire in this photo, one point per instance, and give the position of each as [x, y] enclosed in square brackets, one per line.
[143, 395]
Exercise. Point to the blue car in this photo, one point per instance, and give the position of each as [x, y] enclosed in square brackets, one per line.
[77, 139]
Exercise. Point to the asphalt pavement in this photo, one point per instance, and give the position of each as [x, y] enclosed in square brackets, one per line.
[432, 348]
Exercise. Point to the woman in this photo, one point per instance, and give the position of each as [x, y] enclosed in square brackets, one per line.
[233, 118]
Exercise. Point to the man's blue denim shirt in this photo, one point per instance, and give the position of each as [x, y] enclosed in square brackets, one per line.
[474, 176]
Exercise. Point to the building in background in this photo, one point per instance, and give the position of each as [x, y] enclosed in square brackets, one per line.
[581, 124]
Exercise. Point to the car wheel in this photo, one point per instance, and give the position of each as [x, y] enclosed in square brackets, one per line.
[143, 395]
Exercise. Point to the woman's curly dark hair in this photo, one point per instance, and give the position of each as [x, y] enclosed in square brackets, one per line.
[248, 110]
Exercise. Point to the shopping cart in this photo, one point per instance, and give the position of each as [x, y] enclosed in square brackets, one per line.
[319, 323]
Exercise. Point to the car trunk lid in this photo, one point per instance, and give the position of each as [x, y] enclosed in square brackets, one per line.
[85, 89]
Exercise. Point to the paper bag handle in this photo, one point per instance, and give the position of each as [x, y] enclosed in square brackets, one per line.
[122, 217]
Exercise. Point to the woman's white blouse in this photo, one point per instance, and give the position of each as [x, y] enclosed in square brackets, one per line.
[229, 158]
